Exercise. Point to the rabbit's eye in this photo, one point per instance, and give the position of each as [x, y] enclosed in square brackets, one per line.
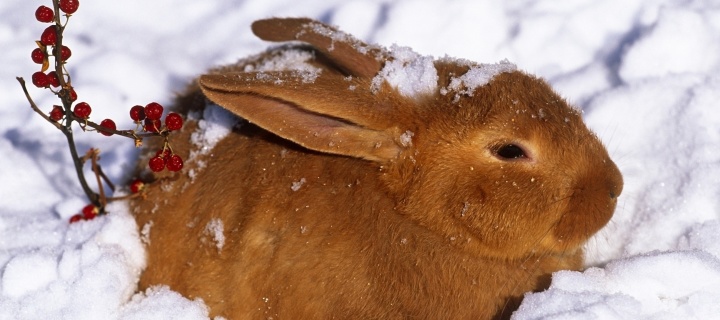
[510, 151]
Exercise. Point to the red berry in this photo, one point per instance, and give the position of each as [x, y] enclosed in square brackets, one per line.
[57, 113]
[153, 111]
[164, 154]
[76, 218]
[90, 211]
[156, 164]
[136, 186]
[175, 163]
[137, 113]
[108, 123]
[37, 56]
[73, 95]
[152, 125]
[44, 14]
[173, 121]
[54, 79]
[49, 37]
[82, 110]
[65, 53]
[69, 6]
[40, 79]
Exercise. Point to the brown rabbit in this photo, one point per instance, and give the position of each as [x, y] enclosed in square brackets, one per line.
[349, 194]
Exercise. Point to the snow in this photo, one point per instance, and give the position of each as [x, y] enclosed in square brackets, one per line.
[297, 60]
[410, 73]
[215, 229]
[215, 124]
[478, 76]
[82, 271]
[406, 138]
[645, 74]
[686, 53]
[296, 185]
[672, 285]
[337, 36]
[162, 303]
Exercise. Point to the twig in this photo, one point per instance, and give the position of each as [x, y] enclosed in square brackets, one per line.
[105, 178]
[34, 106]
[93, 155]
[67, 131]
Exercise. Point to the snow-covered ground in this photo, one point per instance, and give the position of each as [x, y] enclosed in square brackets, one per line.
[646, 74]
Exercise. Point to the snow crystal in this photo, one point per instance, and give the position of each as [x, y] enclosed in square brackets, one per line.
[297, 184]
[280, 79]
[289, 59]
[337, 36]
[214, 228]
[406, 138]
[145, 232]
[293, 60]
[215, 125]
[479, 76]
[334, 35]
[411, 74]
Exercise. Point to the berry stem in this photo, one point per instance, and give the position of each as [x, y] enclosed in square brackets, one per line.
[92, 196]
[93, 154]
[125, 133]
[59, 64]
[126, 197]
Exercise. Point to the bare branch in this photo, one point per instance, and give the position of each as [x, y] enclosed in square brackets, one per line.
[34, 106]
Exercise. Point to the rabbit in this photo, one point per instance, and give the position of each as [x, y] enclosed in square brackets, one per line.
[342, 192]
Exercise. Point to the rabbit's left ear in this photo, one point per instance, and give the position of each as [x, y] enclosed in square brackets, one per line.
[323, 115]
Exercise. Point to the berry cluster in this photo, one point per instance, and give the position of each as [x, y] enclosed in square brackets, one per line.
[165, 158]
[88, 212]
[48, 46]
[149, 117]
[49, 38]
[58, 81]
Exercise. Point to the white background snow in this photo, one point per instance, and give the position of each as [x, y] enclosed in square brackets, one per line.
[646, 74]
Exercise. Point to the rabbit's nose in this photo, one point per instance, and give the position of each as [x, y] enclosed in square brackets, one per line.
[614, 180]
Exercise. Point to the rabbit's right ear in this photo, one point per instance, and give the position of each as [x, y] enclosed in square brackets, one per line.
[323, 115]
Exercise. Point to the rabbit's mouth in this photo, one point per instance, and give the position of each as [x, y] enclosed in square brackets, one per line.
[590, 207]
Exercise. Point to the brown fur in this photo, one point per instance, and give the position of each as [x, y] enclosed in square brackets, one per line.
[441, 228]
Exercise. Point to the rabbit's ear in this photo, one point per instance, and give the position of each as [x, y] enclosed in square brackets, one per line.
[323, 115]
[349, 54]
